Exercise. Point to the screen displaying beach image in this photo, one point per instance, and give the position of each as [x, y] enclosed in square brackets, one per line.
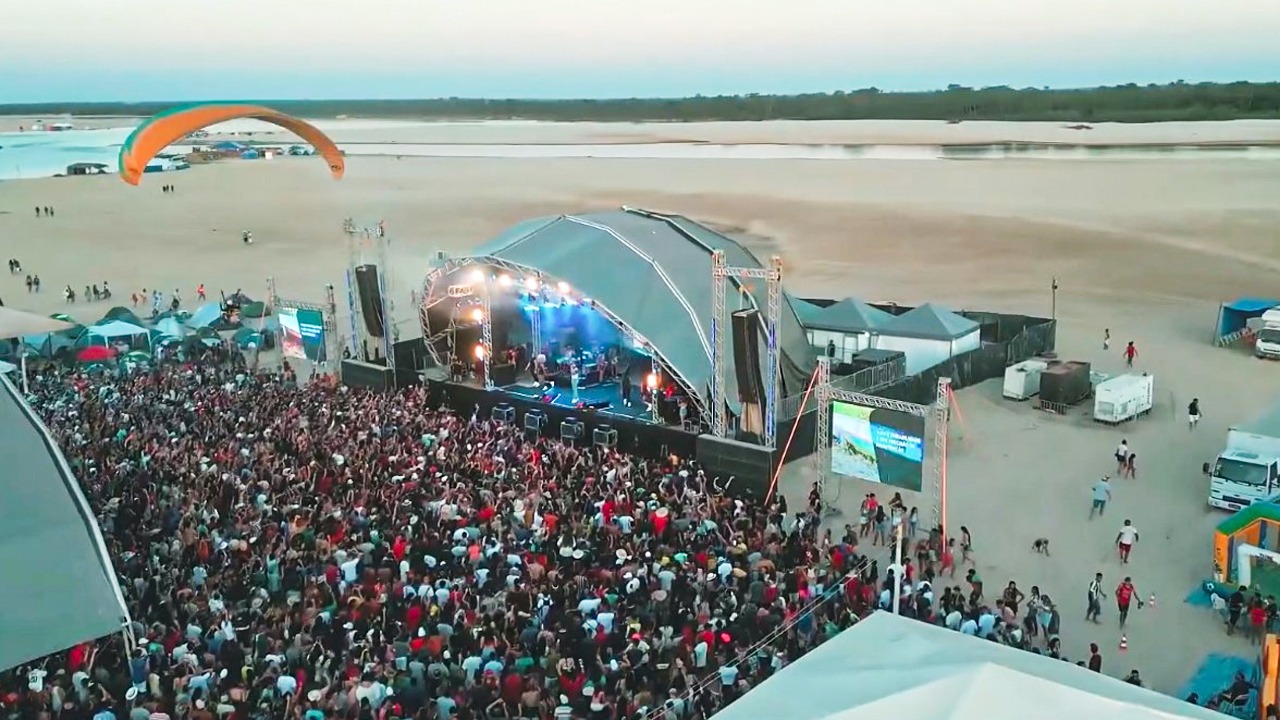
[291, 334]
[877, 445]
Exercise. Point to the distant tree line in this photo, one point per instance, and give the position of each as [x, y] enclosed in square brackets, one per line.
[1119, 103]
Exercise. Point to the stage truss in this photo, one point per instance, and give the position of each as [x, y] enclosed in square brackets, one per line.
[720, 274]
[360, 240]
[328, 310]
[939, 411]
[446, 266]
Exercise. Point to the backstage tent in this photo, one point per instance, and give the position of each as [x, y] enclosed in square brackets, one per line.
[61, 588]
[848, 325]
[888, 665]
[929, 335]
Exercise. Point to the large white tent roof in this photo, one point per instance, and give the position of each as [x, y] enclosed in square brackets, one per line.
[888, 665]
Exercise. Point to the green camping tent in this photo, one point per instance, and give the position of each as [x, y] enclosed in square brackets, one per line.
[123, 313]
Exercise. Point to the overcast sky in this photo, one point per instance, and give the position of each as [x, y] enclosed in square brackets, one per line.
[276, 49]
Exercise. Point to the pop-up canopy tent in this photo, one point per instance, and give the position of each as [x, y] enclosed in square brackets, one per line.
[210, 316]
[887, 664]
[1234, 316]
[116, 329]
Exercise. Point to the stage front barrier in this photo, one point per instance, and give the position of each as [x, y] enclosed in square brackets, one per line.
[536, 417]
[751, 465]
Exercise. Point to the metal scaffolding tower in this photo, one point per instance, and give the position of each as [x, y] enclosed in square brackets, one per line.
[328, 312]
[360, 241]
[825, 394]
[721, 272]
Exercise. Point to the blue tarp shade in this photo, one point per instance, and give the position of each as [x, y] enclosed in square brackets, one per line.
[205, 315]
[1233, 316]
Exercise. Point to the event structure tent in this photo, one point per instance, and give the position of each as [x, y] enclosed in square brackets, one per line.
[888, 665]
[849, 324]
[652, 274]
[929, 335]
[60, 587]
[121, 313]
[1234, 316]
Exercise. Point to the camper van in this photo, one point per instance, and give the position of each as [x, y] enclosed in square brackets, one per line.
[1267, 343]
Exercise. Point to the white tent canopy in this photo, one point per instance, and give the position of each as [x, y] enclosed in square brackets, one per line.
[889, 665]
[16, 323]
[117, 328]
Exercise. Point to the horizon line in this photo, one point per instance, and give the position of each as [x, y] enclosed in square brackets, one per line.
[954, 87]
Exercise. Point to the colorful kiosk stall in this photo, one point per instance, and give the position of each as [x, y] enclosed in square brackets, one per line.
[1249, 535]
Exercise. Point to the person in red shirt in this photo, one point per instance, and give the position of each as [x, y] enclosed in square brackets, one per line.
[1125, 594]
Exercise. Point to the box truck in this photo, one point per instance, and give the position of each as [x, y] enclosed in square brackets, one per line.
[1267, 341]
[1248, 468]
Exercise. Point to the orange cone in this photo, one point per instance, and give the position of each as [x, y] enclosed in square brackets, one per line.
[1124, 643]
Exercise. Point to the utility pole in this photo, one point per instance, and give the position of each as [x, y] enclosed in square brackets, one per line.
[1053, 303]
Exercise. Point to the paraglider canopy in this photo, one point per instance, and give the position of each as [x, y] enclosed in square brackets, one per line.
[162, 130]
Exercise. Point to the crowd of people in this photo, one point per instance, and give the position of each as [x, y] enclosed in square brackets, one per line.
[321, 552]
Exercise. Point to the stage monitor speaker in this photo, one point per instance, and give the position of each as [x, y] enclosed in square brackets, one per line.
[370, 299]
[751, 466]
[605, 436]
[534, 420]
[595, 405]
[504, 374]
[746, 355]
[503, 412]
[571, 430]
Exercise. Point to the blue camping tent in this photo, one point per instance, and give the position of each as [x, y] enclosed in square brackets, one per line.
[1233, 316]
[205, 316]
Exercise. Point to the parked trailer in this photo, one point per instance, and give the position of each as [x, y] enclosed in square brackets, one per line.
[1022, 380]
[1123, 398]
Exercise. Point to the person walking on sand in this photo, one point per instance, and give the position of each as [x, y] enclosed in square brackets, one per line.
[37, 211]
[1122, 456]
[1101, 494]
[1130, 352]
[1193, 414]
[1131, 466]
[966, 546]
[1095, 596]
[200, 292]
[1125, 540]
[1126, 593]
[1106, 338]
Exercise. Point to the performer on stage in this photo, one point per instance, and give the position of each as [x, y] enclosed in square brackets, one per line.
[573, 379]
[626, 387]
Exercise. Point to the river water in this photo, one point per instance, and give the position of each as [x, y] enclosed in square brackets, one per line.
[44, 154]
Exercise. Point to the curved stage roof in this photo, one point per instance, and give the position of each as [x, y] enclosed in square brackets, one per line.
[654, 273]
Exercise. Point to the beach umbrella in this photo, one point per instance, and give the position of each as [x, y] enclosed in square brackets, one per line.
[95, 353]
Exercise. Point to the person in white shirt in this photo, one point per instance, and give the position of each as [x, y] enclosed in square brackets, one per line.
[1125, 540]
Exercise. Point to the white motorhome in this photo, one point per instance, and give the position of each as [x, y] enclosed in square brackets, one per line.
[1267, 342]
[1248, 468]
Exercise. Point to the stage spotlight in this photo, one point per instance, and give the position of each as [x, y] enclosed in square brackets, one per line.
[651, 380]
[531, 284]
[563, 287]
[504, 280]
[477, 275]
[477, 315]
[479, 352]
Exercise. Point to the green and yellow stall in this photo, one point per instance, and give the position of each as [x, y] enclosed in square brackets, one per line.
[1257, 525]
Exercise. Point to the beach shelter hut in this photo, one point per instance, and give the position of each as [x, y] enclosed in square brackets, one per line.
[944, 675]
[929, 335]
[121, 313]
[849, 325]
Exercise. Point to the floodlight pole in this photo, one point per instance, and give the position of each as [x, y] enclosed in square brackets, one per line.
[332, 345]
[898, 570]
[720, 274]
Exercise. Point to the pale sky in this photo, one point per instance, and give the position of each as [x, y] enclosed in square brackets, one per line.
[281, 49]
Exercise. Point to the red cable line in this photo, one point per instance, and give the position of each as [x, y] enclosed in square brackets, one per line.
[773, 484]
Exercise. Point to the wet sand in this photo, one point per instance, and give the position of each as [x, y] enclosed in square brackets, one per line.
[1146, 248]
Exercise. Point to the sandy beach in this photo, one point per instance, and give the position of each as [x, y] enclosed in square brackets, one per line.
[1147, 248]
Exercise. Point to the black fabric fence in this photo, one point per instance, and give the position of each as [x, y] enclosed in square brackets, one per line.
[1022, 337]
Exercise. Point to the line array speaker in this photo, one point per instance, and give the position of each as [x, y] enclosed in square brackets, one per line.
[370, 299]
